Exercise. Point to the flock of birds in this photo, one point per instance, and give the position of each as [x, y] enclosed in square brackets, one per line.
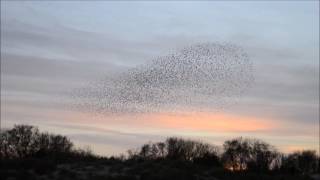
[200, 77]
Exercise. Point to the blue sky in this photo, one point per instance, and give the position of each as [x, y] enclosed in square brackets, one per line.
[50, 48]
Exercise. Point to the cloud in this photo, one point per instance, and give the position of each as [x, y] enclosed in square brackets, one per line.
[67, 43]
[288, 92]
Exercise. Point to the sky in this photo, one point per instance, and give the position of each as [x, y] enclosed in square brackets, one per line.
[51, 49]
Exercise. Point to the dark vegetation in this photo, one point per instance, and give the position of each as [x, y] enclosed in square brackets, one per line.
[25, 153]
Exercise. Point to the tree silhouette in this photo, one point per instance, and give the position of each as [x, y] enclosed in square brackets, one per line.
[24, 147]
[161, 148]
[237, 153]
[25, 140]
[250, 154]
[20, 141]
[145, 151]
[263, 156]
[301, 162]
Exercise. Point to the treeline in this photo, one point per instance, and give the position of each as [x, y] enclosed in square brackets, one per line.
[25, 141]
[237, 155]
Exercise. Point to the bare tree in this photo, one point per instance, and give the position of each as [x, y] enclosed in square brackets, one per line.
[23, 139]
[303, 162]
[60, 144]
[161, 148]
[237, 153]
[263, 156]
[6, 150]
[145, 151]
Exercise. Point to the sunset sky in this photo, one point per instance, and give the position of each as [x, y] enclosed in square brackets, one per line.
[50, 49]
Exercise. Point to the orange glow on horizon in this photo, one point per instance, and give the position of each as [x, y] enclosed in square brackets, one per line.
[285, 135]
[218, 122]
[200, 121]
